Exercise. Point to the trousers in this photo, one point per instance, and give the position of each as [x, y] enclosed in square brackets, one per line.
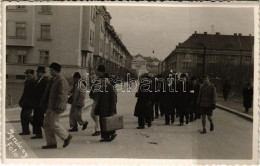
[75, 116]
[53, 127]
[38, 117]
[26, 119]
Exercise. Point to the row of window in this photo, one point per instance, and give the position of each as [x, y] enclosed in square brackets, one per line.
[22, 56]
[18, 29]
[44, 9]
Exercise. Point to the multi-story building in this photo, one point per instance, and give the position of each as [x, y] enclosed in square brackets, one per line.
[77, 37]
[232, 50]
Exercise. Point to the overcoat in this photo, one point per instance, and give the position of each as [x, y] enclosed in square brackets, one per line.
[79, 96]
[247, 97]
[145, 97]
[183, 97]
[167, 99]
[27, 96]
[39, 88]
[106, 100]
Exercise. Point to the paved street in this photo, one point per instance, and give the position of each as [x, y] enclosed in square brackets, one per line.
[231, 139]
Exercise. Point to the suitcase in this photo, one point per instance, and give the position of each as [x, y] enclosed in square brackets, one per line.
[111, 123]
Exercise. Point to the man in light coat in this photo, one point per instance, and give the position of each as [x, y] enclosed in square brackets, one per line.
[57, 94]
[207, 103]
[79, 95]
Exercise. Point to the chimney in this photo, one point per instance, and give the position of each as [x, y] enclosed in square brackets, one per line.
[205, 33]
[239, 34]
[249, 34]
[195, 32]
[235, 34]
[217, 33]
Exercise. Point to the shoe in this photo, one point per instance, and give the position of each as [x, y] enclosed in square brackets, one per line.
[149, 124]
[73, 129]
[211, 126]
[203, 131]
[187, 122]
[172, 121]
[104, 140]
[49, 146]
[97, 133]
[181, 124]
[167, 123]
[140, 127]
[67, 141]
[156, 117]
[113, 137]
[24, 133]
[37, 136]
[85, 125]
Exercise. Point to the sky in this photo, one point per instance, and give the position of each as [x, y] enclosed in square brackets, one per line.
[144, 29]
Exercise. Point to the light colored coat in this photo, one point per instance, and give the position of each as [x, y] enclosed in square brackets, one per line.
[58, 94]
[207, 96]
[79, 97]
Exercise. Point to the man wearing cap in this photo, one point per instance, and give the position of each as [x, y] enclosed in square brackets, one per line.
[77, 104]
[207, 103]
[38, 113]
[26, 102]
[56, 94]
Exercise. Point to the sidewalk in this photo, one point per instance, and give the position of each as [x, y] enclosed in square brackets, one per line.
[234, 106]
[13, 114]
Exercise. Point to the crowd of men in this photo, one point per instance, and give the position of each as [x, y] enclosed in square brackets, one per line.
[46, 98]
[175, 97]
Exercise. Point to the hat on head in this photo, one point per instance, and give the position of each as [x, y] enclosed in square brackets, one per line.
[101, 68]
[29, 71]
[55, 66]
[76, 75]
[41, 69]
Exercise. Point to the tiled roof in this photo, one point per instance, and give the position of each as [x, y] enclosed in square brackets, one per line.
[219, 42]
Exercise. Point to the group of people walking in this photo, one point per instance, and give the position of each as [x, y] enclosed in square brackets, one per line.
[175, 98]
[44, 99]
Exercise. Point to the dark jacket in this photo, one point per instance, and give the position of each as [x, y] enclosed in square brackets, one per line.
[207, 96]
[144, 101]
[106, 100]
[183, 97]
[39, 88]
[247, 97]
[167, 99]
[194, 96]
[27, 96]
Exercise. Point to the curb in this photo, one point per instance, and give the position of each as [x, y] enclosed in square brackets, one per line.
[241, 115]
[62, 116]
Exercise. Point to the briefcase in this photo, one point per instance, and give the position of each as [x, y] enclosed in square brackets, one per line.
[111, 123]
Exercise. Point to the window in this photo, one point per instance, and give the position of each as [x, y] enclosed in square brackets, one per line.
[93, 13]
[45, 10]
[20, 29]
[84, 60]
[186, 65]
[16, 8]
[102, 25]
[44, 57]
[45, 31]
[248, 58]
[101, 45]
[20, 7]
[21, 55]
[92, 37]
[7, 55]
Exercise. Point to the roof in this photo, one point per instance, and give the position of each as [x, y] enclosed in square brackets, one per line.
[219, 42]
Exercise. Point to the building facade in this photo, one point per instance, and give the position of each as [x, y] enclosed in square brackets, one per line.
[219, 50]
[78, 37]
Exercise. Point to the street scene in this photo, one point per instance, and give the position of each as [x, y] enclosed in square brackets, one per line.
[130, 82]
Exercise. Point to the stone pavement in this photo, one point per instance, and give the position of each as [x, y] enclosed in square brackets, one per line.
[231, 139]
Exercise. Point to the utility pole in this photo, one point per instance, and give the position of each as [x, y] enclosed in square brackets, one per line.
[204, 61]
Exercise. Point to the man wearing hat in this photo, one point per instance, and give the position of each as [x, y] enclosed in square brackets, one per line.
[38, 113]
[77, 104]
[26, 102]
[56, 94]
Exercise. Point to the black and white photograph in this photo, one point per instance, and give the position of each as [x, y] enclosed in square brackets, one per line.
[98, 82]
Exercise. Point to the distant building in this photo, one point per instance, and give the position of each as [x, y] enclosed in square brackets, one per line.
[77, 37]
[220, 49]
[152, 64]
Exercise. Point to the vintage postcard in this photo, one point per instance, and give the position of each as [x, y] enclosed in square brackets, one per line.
[130, 83]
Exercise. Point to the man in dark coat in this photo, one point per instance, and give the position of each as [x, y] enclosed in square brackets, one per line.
[194, 92]
[226, 89]
[207, 102]
[247, 97]
[26, 102]
[144, 102]
[183, 99]
[158, 85]
[38, 113]
[168, 100]
[106, 103]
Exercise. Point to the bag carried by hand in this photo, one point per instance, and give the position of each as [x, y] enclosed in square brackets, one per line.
[112, 123]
